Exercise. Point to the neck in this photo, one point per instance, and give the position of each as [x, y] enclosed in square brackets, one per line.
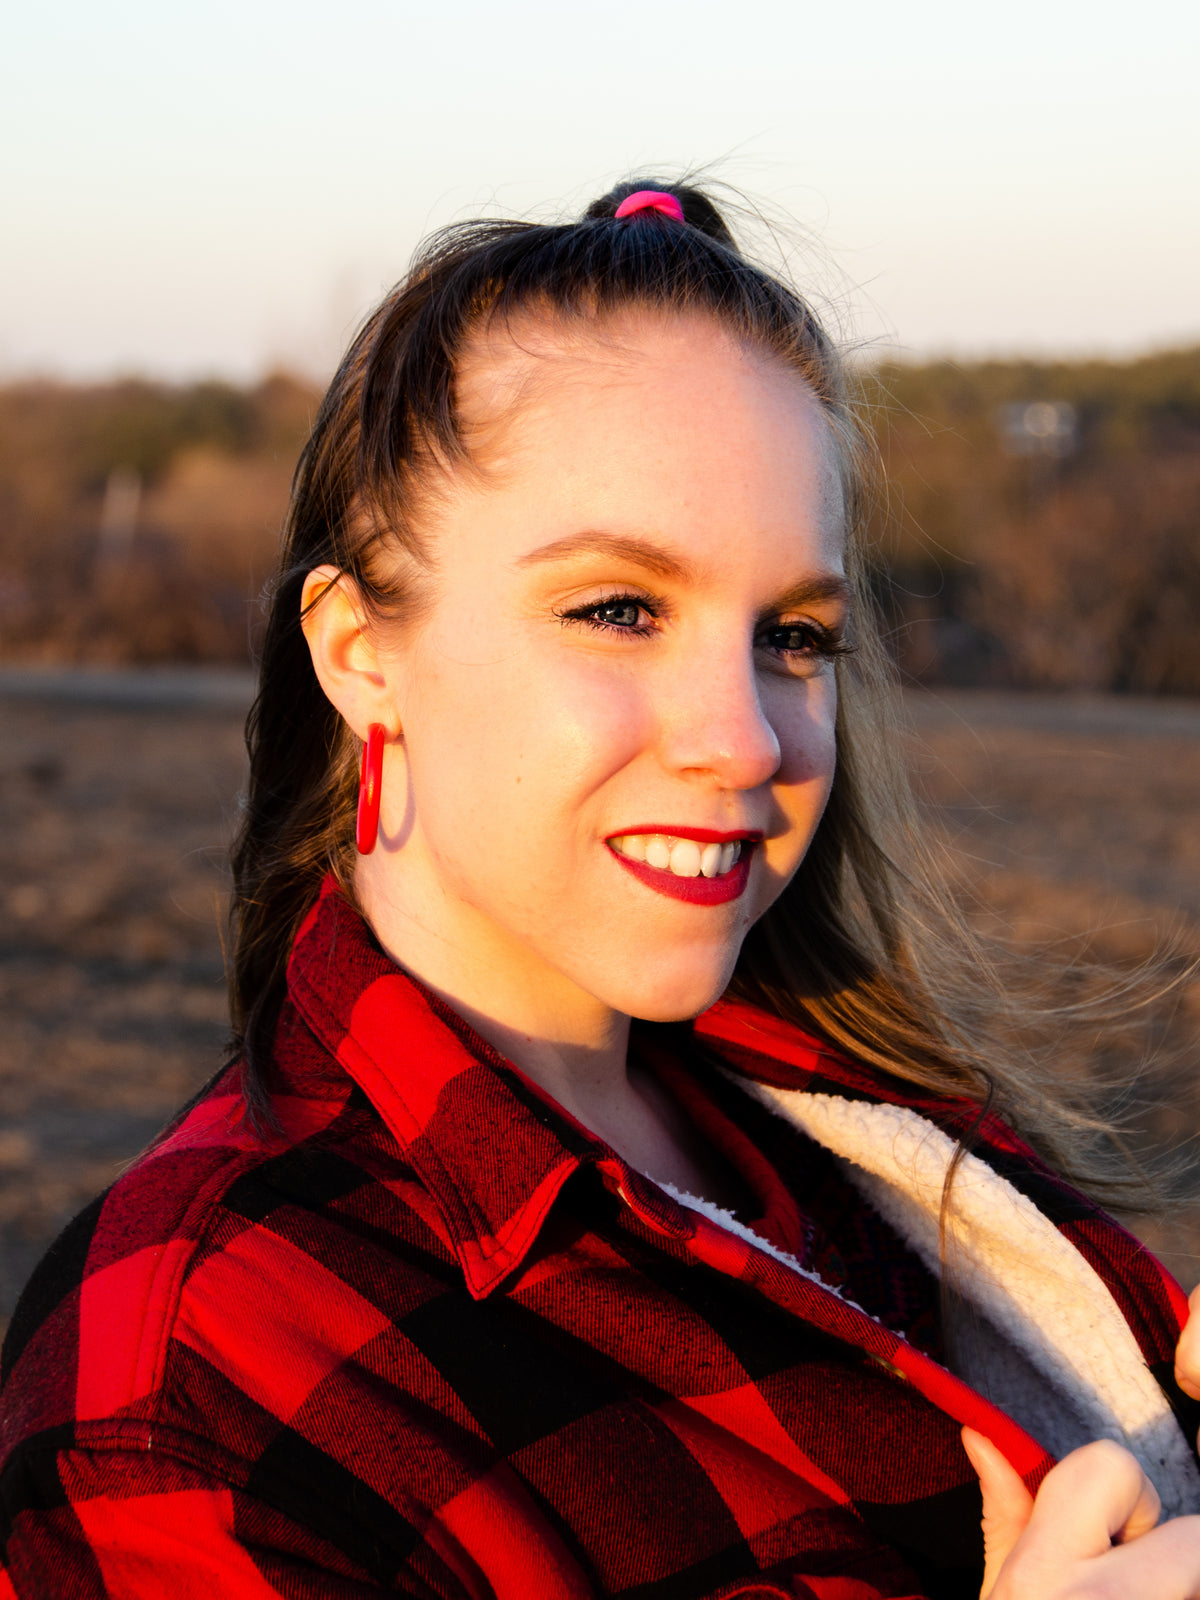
[565, 1040]
[569, 1043]
[587, 1077]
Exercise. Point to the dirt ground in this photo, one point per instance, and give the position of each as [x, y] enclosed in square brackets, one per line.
[1071, 819]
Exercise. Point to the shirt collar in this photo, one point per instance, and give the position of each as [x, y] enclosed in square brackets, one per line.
[491, 1150]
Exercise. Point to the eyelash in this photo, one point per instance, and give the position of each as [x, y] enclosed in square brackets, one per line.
[826, 643]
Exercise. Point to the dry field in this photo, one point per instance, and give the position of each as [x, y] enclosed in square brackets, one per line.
[1072, 820]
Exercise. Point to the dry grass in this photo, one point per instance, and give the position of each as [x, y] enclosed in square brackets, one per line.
[111, 976]
[1081, 831]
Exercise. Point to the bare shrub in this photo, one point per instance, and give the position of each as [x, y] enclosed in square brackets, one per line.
[1079, 571]
[202, 474]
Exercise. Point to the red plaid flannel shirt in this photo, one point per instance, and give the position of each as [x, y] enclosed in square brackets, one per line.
[437, 1340]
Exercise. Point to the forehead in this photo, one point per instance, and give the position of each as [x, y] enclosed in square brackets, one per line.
[649, 416]
[516, 373]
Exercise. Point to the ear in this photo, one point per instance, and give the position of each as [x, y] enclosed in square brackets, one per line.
[344, 653]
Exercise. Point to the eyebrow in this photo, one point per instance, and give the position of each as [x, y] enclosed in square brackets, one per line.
[831, 587]
[665, 563]
[622, 547]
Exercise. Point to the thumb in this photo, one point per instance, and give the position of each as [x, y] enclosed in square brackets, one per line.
[1187, 1354]
[1007, 1504]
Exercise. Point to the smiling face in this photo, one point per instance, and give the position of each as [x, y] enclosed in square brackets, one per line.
[617, 710]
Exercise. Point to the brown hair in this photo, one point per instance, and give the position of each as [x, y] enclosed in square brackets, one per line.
[865, 947]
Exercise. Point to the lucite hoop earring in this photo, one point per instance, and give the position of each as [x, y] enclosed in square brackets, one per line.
[370, 785]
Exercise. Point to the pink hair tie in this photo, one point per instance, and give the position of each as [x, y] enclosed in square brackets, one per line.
[650, 200]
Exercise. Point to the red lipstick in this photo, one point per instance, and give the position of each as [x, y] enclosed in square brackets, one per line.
[698, 891]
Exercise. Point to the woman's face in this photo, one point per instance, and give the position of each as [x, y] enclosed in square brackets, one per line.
[624, 678]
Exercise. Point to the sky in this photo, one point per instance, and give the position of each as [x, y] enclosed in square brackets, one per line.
[220, 189]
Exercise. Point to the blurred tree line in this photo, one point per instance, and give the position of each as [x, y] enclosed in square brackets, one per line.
[1038, 524]
[1035, 525]
[139, 521]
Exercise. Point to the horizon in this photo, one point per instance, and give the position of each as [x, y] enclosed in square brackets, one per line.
[859, 361]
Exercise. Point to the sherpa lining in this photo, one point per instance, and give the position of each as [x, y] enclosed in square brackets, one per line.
[727, 1220]
[1033, 1326]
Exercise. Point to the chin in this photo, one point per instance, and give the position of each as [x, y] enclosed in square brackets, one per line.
[677, 997]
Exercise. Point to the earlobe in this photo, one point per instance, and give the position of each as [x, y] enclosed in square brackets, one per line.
[344, 653]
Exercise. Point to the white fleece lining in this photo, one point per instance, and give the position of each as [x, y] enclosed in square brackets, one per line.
[1012, 1267]
[727, 1220]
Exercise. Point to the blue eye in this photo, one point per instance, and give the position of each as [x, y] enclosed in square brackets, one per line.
[793, 636]
[621, 613]
[809, 639]
[617, 613]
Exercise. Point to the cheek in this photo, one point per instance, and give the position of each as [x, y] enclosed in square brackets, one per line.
[808, 758]
[806, 728]
[514, 750]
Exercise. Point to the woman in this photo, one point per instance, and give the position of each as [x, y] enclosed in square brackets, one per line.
[462, 1282]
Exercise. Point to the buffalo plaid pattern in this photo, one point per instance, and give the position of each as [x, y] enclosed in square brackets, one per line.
[435, 1339]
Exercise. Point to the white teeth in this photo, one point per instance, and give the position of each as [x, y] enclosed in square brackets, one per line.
[658, 852]
[684, 857]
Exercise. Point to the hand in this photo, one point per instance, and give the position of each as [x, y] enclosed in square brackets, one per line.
[1187, 1351]
[1089, 1535]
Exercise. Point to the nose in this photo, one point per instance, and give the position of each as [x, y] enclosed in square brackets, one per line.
[713, 722]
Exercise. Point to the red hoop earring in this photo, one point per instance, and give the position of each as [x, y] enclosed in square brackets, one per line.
[370, 785]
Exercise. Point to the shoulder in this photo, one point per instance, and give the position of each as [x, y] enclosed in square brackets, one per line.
[224, 1260]
[87, 1335]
